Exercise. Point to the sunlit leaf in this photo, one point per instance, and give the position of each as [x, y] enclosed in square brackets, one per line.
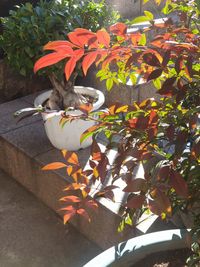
[54, 166]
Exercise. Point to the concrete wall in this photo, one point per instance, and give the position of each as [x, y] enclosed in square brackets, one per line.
[134, 8]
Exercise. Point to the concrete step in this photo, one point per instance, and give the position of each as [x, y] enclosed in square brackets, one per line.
[32, 235]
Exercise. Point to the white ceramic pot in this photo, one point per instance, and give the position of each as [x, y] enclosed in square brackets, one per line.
[133, 250]
[68, 137]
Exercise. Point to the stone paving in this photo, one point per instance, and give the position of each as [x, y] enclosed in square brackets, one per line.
[32, 235]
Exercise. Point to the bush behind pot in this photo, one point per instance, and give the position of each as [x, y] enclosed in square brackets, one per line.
[28, 28]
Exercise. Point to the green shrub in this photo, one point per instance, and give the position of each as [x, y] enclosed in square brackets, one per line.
[28, 28]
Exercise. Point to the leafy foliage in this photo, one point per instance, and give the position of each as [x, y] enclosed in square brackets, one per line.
[28, 28]
[161, 135]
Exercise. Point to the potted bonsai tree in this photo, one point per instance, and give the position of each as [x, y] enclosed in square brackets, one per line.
[25, 32]
[161, 135]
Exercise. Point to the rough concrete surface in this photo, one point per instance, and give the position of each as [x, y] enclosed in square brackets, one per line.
[32, 235]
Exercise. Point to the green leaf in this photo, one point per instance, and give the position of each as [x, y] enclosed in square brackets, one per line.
[122, 77]
[133, 78]
[149, 15]
[85, 136]
[140, 19]
[121, 226]
[128, 220]
[165, 9]
[109, 84]
[143, 40]
[157, 83]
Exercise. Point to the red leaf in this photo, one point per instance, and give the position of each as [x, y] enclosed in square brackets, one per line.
[103, 37]
[135, 185]
[95, 147]
[88, 60]
[91, 204]
[136, 202]
[196, 150]
[71, 63]
[81, 37]
[166, 58]
[178, 183]
[154, 74]
[54, 166]
[162, 201]
[167, 91]
[189, 64]
[102, 167]
[151, 59]
[49, 59]
[179, 64]
[119, 29]
[170, 132]
[83, 213]
[69, 67]
[163, 173]
[153, 117]
[75, 39]
[167, 88]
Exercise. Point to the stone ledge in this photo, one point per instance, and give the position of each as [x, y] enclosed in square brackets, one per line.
[25, 149]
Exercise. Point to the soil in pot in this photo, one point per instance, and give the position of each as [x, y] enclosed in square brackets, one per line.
[172, 258]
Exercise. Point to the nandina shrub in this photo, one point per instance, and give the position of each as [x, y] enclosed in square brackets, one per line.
[161, 135]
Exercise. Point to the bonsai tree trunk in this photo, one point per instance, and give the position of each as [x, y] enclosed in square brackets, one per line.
[63, 95]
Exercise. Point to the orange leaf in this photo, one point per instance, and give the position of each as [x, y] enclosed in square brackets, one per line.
[75, 186]
[103, 37]
[70, 212]
[118, 28]
[70, 199]
[97, 156]
[49, 59]
[84, 213]
[69, 170]
[88, 61]
[59, 45]
[73, 158]
[54, 166]
[86, 108]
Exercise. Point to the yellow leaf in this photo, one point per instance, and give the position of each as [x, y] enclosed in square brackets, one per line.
[122, 109]
[95, 173]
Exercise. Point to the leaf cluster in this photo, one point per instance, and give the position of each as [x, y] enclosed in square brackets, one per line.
[161, 135]
[29, 27]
